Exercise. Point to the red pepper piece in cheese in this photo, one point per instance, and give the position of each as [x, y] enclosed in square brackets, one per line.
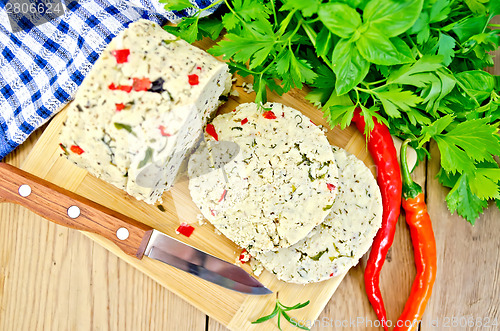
[76, 149]
[185, 229]
[163, 132]
[244, 121]
[125, 88]
[141, 84]
[244, 256]
[193, 79]
[269, 115]
[223, 196]
[211, 131]
[119, 106]
[331, 187]
[121, 55]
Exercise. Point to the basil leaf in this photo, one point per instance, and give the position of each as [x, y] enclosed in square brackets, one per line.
[402, 47]
[478, 83]
[349, 66]
[392, 17]
[469, 27]
[494, 9]
[323, 42]
[375, 47]
[340, 19]
[477, 6]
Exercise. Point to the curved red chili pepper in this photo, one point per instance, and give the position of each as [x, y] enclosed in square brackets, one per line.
[383, 152]
[424, 247]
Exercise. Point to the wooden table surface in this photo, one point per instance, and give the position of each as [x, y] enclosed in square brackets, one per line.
[53, 278]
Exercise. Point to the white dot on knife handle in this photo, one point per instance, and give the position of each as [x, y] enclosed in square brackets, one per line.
[122, 233]
[24, 190]
[73, 212]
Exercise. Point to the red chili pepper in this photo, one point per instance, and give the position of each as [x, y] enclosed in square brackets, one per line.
[119, 106]
[424, 247]
[383, 152]
[193, 79]
[211, 131]
[185, 229]
[121, 55]
[141, 84]
[331, 275]
[269, 115]
[199, 68]
[76, 149]
[331, 187]
[244, 121]
[163, 132]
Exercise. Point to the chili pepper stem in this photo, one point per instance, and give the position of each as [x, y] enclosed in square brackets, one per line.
[410, 188]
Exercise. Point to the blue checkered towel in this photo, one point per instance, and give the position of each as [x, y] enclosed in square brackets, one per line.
[42, 66]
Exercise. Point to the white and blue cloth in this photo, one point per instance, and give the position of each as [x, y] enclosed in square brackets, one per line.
[42, 66]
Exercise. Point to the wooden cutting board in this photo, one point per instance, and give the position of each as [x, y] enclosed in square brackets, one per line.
[230, 308]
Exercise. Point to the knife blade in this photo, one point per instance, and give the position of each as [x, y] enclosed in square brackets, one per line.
[71, 210]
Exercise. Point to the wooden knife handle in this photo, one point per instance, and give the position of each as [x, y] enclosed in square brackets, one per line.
[71, 210]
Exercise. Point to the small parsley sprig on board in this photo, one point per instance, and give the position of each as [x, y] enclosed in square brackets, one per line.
[416, 65]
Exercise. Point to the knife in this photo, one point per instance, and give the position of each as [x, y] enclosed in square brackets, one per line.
[132, 237]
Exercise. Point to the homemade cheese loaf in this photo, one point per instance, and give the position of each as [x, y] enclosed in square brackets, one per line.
[276, 188]
[142, 108]
[340, 241]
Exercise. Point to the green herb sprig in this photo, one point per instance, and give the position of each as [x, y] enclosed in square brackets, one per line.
[281, 310]
[415, 65]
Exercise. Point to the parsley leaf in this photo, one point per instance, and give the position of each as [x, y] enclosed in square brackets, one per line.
[473, 140]
[394, 99]
[464, 202]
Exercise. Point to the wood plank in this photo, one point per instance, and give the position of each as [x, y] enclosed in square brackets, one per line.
[468, 278]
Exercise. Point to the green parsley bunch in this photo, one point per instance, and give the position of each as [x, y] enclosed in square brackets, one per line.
[416, 65]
